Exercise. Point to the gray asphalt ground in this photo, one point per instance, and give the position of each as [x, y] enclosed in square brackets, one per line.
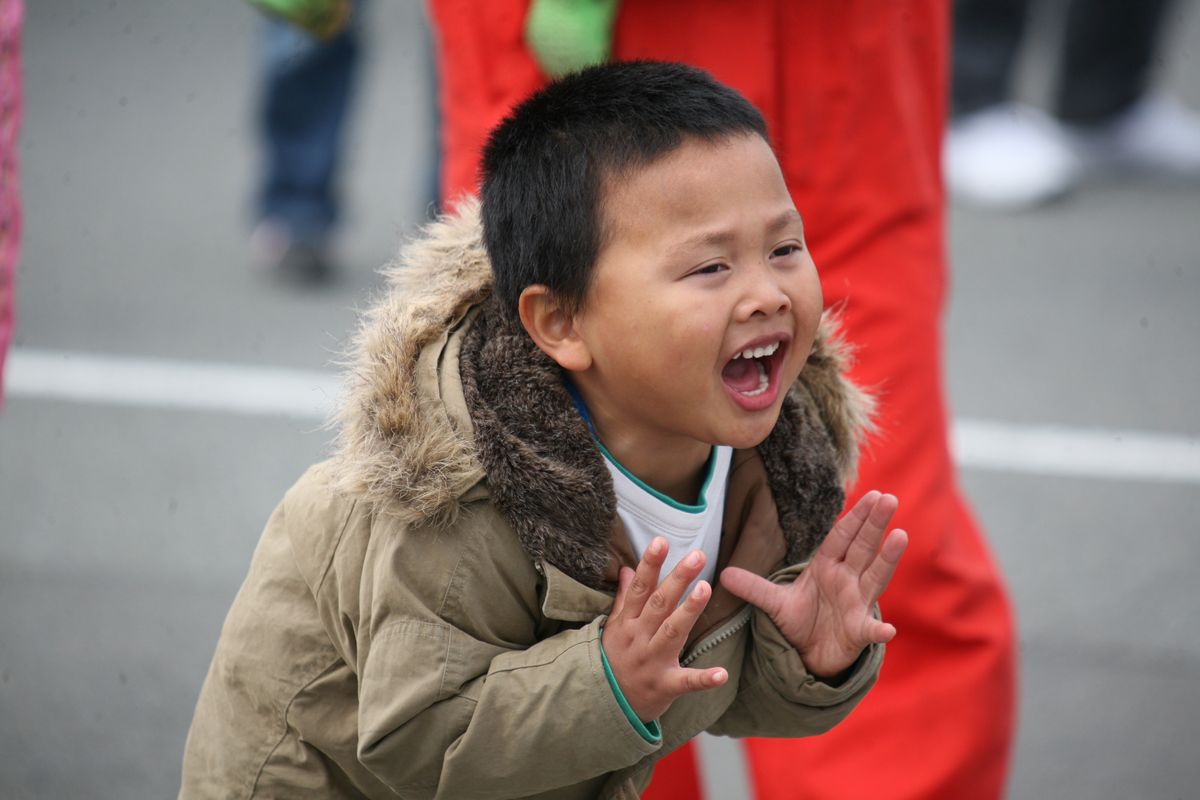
[125, 531]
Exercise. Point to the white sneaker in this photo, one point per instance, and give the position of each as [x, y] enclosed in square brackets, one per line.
[1010, 157]
[1157, 134]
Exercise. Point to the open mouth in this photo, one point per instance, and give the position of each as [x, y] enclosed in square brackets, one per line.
[750, 374]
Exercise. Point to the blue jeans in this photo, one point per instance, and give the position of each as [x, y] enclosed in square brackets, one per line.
[305, 94]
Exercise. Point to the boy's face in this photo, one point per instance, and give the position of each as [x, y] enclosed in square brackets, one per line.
[704, 301]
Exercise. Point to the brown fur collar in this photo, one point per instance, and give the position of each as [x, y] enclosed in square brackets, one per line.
[401, 449]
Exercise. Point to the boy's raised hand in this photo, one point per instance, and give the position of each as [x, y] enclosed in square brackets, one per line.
[647, 629]
[826, 612]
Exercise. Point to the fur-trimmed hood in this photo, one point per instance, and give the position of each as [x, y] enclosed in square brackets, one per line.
[412, 444]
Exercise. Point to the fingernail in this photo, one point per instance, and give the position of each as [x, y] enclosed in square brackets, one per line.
[693, 558]
[719, 676]
[698, 592]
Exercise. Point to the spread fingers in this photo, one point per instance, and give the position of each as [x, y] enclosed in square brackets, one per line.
[845, 529]
[665, 598]
[685, 681]
[645, 578]
[624, 578]
[880, 571]
[866, 544]
[673, 632]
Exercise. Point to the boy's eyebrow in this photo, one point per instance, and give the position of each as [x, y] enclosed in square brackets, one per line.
[709, 239]
[717, 238]
[785, 219]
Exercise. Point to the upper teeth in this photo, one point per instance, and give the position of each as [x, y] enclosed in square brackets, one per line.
[758, 352]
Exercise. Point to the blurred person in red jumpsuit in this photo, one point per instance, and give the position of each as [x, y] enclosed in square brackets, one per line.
[854, 93]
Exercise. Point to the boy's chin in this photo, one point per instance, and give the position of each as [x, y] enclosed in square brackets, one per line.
[746, 437]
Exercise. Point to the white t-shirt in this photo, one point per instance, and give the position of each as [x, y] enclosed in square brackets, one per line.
[647, 513]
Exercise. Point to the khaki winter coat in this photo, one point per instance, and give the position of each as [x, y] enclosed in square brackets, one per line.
[422, 615]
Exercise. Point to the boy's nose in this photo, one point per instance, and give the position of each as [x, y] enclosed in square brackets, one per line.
[764, 297]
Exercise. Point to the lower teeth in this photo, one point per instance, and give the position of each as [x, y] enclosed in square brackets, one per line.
[763, 381]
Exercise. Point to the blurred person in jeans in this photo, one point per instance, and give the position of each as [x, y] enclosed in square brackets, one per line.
[311, 58]
[308, 76]
[854, 95]
[1106, 115]
[311, 55]
[11, 16]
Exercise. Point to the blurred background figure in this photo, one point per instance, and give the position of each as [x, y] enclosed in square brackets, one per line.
[1106, 115]
[854, 94]
[11, 13]
[310, 56]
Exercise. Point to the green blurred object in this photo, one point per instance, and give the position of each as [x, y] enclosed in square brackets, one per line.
[322, 18]
[568, 35]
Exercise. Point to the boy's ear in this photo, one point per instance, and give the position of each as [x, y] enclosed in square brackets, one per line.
[552, 328]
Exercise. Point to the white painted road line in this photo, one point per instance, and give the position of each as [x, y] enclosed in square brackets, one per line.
[155, 383]
[1076, 452]
[310, 395]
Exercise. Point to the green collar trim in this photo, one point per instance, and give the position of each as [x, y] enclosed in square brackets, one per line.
[698, 508]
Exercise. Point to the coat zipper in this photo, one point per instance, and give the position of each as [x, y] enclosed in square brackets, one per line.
[734, 625]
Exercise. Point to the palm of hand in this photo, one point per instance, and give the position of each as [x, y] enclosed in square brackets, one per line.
[826, 612]
[825, 615]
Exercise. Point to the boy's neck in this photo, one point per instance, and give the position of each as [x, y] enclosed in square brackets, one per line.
[672, 465]
[669, 471]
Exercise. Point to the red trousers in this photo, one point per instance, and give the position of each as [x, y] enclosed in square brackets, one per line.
[854, 95]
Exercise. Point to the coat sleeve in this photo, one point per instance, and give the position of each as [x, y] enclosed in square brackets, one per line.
[461, 695]
[777, 695]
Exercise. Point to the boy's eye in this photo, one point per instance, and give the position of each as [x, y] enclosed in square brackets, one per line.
[785, 251]
[709, 269]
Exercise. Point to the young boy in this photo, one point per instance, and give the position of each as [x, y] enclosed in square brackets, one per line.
[597, 389]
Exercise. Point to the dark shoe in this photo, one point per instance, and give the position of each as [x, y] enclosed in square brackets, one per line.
[304, 264]
[289, 260]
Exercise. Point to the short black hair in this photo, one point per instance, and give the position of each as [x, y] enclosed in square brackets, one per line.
[544, 166]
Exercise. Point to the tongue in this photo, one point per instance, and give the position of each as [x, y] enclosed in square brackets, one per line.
[741, 375]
